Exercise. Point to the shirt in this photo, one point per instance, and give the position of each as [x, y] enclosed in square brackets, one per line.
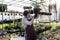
[26, 22]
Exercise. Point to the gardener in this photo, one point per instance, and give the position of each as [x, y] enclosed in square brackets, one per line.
[28, 25]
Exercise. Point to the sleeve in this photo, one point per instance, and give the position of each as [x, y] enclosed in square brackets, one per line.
[25, 21]
[32, 15]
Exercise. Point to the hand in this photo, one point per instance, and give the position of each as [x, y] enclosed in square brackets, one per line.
[32, 20]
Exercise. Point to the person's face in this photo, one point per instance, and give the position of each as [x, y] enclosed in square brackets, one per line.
[28, 15]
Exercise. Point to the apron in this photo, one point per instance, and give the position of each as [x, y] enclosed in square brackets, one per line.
[30, 31]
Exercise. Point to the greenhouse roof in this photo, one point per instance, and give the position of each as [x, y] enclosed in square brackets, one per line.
[19, 4]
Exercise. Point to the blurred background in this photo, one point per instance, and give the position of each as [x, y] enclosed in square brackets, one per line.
[11, 14]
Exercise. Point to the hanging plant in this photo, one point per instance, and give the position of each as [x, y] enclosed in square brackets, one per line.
[5, 13]
[8, 14]
[15, 14]
[11, 13]
[19, 13]
[26, 7]
[3, 7]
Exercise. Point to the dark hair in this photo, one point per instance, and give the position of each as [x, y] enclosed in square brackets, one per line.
[25, 13]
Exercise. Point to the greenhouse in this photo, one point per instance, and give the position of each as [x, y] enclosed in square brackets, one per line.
[29, 19]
